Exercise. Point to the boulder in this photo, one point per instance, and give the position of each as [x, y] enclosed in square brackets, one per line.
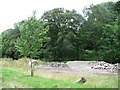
[82, 80]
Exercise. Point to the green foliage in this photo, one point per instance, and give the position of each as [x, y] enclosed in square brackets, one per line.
[117, 7]
[62, 23]
[101, 28]
[9, 38]
[32, 39]
[62, 35]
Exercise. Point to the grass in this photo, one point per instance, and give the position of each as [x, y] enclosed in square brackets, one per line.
[16, 74]
[13, 79]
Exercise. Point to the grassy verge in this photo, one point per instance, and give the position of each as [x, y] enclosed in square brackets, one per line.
[14, 79]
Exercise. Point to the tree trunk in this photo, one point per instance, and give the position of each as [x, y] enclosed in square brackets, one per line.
[78, 52]
[61, 50]
[97, 55]
[32, 71]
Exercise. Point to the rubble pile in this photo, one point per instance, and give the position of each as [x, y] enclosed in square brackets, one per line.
[58, 64]
[106, 66]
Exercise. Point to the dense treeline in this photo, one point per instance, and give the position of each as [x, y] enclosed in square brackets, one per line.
[61, 35]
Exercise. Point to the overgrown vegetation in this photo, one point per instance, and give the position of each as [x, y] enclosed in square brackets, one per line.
[61, 35]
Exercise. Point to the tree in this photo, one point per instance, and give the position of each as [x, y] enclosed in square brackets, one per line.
[61, 24]
[110, 53]
[1, 45]
[117, 7]
[9, 38]
[75, 34]
[98, 16]
[33, 37]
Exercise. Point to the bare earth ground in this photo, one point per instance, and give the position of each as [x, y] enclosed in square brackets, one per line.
[81, 68]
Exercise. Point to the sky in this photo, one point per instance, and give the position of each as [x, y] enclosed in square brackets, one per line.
[13, 11]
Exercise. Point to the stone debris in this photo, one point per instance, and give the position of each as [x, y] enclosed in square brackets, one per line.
[54, 66]
[58, 64]
[106, 66]
[90, 67]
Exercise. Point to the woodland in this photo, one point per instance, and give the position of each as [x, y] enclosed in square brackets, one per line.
[62, 35]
